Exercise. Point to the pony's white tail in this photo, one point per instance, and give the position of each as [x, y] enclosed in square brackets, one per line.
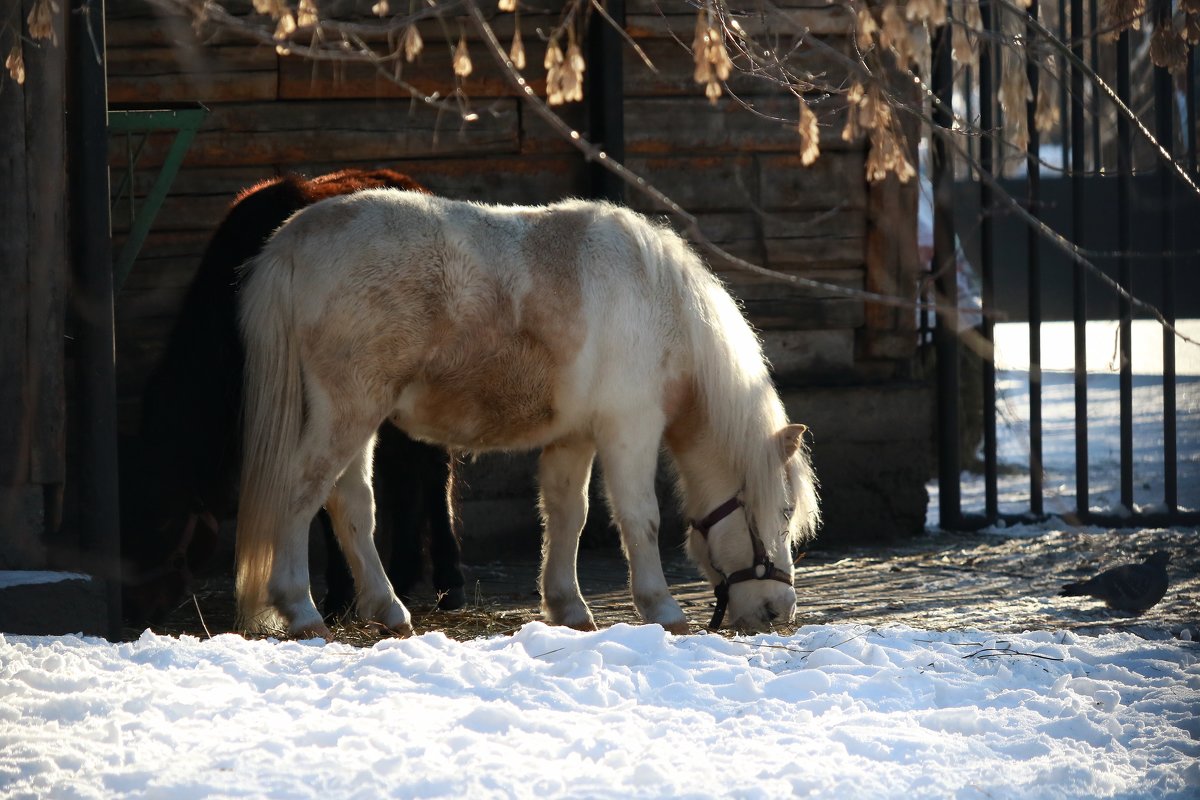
[273, 416]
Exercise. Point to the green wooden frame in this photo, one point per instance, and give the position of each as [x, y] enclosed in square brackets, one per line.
[132, 122]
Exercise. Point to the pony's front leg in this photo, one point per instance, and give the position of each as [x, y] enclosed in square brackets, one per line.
[351, 507]
[630, 461]
[563, 472]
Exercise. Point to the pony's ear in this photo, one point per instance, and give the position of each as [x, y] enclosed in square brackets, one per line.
[790, 438]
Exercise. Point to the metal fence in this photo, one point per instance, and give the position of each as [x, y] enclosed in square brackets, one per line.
[1126, 128]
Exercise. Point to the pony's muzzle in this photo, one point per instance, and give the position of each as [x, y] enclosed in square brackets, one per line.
[760, 610]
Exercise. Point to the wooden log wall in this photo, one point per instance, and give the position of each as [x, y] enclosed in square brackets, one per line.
[33, 266]
[739, 171]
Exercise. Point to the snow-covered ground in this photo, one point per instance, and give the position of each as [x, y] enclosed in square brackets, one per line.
[835, 710]
[831, 711]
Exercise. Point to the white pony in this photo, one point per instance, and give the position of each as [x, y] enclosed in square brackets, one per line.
[576, 328]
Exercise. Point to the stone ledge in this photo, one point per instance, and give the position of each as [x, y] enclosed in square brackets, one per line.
[52, 604]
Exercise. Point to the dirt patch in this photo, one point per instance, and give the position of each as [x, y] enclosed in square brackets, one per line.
[936, 582]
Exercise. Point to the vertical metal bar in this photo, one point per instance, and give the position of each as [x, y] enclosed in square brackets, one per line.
[945, 334]
[969, 95]
[130, 169]
[1190, 103]
[1062, 85]
[1094, 47]
[1164, 100]
[1124, 273]
[93, 301]
[1034, 290]
[1079, 276]
[986, 276]
[606, 99]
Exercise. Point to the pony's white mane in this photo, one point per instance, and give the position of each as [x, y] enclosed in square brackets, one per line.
[736, 390]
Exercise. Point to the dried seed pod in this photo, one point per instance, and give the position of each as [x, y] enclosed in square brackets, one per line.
[306, 13]
[1168, 48]
[517, 52]
[41, 20]
[809, 135]
[462, 59]
[286, 27]
[15, 63]
[865, 29]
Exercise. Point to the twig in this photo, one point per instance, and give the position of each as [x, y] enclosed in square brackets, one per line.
[995, 652]
[200, 614]
[689, 221]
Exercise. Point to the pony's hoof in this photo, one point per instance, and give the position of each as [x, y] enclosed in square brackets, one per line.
[452, 599]
[401, 631]
[586, 625]
[678, 628]
[315, 630]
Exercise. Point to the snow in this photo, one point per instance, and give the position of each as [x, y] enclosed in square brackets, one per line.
[833, 710]
[11, 578]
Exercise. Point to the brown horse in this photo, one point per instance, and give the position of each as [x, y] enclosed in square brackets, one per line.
[180, 475]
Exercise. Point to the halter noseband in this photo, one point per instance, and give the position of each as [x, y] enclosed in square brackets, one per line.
[761, 570]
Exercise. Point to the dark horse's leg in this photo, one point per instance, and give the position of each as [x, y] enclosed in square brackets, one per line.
[413, 482]
[444, 550]
[339, 585]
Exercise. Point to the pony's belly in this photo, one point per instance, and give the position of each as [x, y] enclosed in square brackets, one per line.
[495, 418]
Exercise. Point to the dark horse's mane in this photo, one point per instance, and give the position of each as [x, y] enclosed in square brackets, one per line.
[180, 474]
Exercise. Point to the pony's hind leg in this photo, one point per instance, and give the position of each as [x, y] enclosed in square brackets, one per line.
[563, 472]
[288, 589]
[351, 507]
[630, 460]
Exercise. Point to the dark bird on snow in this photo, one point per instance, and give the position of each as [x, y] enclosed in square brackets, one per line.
[1129, 587]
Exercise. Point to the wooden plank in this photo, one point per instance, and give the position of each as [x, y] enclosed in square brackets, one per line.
[789, 241]
[831, 239]
[714, 182]
[221, 87]
[196, 59]
[14, 281]
[188, 72]
[643, 19]
[46, 187]
[892, 258]
[834, 180]
[164, 30]
[732, 182]
[828, 64]
[296, 132]
[433, 73]
[224, 181]
[772, 305]
[691, 124]
[898, 412]
[796, 355]
[182, 213]
[514, 179]
[538, 137]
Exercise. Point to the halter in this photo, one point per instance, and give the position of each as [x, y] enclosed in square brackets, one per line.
[761, 570]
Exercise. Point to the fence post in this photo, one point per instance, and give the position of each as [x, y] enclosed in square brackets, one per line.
[944, 268]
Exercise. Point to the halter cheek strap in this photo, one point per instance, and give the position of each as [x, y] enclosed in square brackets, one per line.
[761, 570]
